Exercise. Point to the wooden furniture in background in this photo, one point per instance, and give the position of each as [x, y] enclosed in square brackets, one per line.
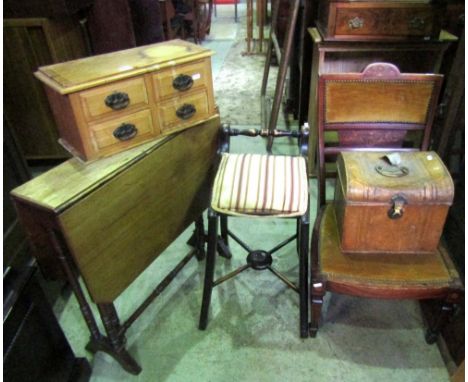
[32, 338]
[255, 44]
[110, 26]
[44, 8]
[193, 21]
[107, 103]
[298, 88]
[73, 217]
[379, 20]
[201, 25]
[167, 12]
[283, 53]
[354, 56]
[449, 141]
[389, 276]
[28, 44]
[15, 173]
[34, 346]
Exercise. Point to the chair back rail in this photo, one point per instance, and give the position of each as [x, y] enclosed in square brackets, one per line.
[376, 110]
[302, 135]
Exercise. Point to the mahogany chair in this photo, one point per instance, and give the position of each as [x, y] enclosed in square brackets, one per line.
[188, 18]
[379, 109]
[201, 19]
[248, 185]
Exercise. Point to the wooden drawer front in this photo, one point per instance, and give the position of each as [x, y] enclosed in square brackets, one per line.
[135, 129]
[195, 106]
[172, 82]
[351, 20]
[120, 96]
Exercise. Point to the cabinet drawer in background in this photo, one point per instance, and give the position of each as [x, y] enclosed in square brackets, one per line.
[111, 99]
[180, 79]
[374, 20]
[182, 111]
[123, 132]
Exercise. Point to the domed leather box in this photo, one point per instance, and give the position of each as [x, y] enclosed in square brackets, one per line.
[393, 203]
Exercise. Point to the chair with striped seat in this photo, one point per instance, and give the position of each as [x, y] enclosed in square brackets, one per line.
[259, 185]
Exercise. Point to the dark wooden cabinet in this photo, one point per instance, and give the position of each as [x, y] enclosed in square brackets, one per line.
[43, 8]
[34, 346]
[28, 44]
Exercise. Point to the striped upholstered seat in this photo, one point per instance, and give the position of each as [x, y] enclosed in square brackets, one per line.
[255, 184]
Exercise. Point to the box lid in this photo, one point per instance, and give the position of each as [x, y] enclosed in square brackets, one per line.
[72, 76]
[420, 177]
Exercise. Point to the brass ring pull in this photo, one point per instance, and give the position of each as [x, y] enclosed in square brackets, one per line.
[186, 111]
[182, 82]
[392, 171]
[117, 100]
[125, 132]
[396, 211]
[417, 23]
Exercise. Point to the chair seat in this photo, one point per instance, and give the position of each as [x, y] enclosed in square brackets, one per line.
[381, 275]
[256, 184]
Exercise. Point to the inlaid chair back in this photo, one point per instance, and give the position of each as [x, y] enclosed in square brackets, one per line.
[377, 109]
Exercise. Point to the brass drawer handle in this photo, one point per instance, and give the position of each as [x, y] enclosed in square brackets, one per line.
[396, 210]
[417, 23]
[117, 100]
[125, 131]
[182, 82]
[356, 23]
[186, 111]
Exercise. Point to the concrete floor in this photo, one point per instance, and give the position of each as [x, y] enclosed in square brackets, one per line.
[253, 332]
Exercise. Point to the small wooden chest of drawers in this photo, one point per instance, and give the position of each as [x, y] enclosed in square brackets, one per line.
[379, 19]
[108, 103]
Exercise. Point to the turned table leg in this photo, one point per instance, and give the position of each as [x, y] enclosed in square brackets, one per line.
[116, 339]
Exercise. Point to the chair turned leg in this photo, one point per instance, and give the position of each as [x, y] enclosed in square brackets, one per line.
[303, 239]
[223, 244]
[298, 241]
[317, 291]
[200, 238]
[446, 312]
[209, 269]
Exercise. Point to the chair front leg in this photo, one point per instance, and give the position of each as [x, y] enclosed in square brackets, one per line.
[209, 269]
[303, 238]
[317, 284]
[443, 318]
[200, 238]
[317, 291]
[223, 244]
